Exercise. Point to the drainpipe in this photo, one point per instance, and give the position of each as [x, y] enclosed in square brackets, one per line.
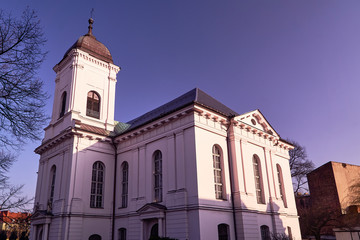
[114, 191]
[231, 173]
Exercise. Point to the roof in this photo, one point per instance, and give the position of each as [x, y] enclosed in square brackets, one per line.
[89, 44]
[195, 96]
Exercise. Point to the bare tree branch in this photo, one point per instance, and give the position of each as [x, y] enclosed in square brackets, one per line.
[300, 166]
[22, 99]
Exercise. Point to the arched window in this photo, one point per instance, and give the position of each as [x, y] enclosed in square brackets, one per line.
[124, 184]
[93, 105]
[265, 232]
[223, 231]
[63, 104]
[97, 185]
[157, 176]
[258, 180]
[122, 234]
[52, 184]
[95, 237]
[218, 172]
[281, 184]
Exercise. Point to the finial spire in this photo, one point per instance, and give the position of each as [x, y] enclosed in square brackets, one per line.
[91, 21]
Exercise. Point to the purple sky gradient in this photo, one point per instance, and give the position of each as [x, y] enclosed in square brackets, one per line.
[296, 61]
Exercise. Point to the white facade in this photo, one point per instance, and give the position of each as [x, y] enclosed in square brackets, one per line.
[170, 164]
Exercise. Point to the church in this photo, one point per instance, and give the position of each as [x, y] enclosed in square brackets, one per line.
[191, 169]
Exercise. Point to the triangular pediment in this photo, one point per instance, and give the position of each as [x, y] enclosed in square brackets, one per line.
[256, 119]
[151, 207]
[40, 214]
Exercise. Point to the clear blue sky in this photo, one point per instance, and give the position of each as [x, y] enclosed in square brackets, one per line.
[296, 61]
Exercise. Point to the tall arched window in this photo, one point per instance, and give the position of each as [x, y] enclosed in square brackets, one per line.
[97, 185]
[63, 104]
[122, 234]
[218, 172]
[157, 176]
[93, 105]
[281, 184]
[223, 231]
[258, 180]
[265, 232]
[124, 184]
[52, 185]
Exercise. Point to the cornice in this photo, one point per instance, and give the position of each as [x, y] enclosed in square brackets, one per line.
[48, 144]
[154, 125]
[79, 129]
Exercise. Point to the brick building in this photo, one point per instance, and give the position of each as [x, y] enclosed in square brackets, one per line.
[330, 197]
[330, 184]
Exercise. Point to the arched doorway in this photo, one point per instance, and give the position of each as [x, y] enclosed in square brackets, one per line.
[154, 231]
[95, 237]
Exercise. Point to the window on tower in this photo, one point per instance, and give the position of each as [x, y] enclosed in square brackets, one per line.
[63, 104]
[52, 186]
[93, 105]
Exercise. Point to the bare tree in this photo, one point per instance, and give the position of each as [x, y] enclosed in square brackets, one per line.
[317, 220]
[22, 99]
[300, 166]
[354, 189]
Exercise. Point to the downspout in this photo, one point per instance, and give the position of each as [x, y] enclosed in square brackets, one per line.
[231, 173]
[114, 191]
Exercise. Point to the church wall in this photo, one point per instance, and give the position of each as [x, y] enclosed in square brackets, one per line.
[209, 221]
[176, 142]
[177, 224]
[59, 156]
[87, 226]
[63, 84]
[86, 153]
[290, 198]
[93, 75]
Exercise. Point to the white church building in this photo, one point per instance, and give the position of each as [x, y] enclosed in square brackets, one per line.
[191, 169]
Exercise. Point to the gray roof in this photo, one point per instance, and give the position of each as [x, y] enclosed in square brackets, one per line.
[195, 96]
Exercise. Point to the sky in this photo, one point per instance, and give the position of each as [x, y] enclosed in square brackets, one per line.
[296, 61]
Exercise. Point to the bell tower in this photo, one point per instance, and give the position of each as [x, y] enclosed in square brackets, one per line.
[84, 87]
[77, 145]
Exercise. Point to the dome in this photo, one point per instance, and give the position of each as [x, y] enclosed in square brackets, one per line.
[89, 44]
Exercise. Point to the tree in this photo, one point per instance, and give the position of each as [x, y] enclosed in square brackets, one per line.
[318, 219]
[300, 166]
[354, 189]
[22, 99]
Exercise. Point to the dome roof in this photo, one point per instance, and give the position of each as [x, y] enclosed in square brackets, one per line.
[89, 44]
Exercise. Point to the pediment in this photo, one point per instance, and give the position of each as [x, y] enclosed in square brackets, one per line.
[151, 208]
[256, 119]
